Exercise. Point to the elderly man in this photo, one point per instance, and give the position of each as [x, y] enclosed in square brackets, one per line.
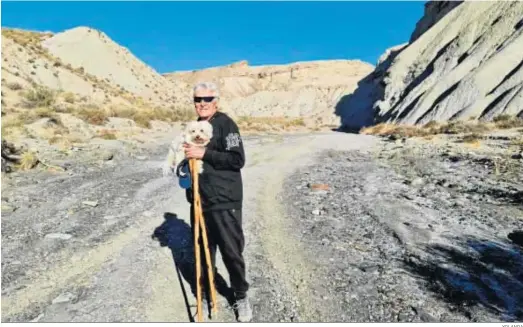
[221, 192]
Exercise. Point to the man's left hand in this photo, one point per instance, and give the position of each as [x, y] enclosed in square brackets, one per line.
[194, 152]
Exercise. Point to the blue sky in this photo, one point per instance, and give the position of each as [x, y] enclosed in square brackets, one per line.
[173, 36]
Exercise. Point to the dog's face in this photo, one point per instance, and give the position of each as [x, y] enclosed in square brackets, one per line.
[198, 132]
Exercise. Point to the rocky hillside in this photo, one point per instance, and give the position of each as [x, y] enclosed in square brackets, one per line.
[81, 82]
[304, 89]
[79, 67]
[83, 61]
[64, 91]
[464, 61]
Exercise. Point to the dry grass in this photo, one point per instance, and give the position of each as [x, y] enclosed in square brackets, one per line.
[11, 121]
[69, 97]
[40, 104]
[143, 116]
[64, 141]
[31, 41]
[507, 121]
[14, 86]
[92, 114]
[107, 134]
[18, 120]
[269, 123]
[25, 38]
[38, 97]
[517, 142]
[472, 140]
[399, 130]
[433, 128]
[28, 160]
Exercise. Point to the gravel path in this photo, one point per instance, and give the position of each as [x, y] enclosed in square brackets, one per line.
[77, 246]
[359, 251]
[406, 238]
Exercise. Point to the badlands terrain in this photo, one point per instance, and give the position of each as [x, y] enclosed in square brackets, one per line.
[410, 211]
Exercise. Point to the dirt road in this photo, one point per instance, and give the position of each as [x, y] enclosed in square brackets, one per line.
[64, 259]
[400, 234]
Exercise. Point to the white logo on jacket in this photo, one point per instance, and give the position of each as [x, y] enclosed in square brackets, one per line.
[233, 140]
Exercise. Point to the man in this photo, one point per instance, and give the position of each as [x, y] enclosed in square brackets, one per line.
[221, 192]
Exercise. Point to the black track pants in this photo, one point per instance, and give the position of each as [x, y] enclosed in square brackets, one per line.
[224, 231]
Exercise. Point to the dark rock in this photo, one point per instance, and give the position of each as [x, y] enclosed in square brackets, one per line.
[516, 236]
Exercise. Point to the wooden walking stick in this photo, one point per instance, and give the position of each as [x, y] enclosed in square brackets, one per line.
[199, 221]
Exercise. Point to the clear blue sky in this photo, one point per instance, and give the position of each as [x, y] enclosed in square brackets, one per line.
[173, 36]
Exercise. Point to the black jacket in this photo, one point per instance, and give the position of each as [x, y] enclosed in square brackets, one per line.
[221, 185]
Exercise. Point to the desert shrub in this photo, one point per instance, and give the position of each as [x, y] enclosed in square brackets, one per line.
[507, 121]
[14, 86]
[69, 97]
[39, 97]
[472, 138]
[92, 114]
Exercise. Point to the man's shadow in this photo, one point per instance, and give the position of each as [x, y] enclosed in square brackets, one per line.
[176, 234]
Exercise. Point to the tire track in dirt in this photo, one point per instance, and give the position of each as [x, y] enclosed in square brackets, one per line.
[283, 261]
[282, 252]
[129, 277]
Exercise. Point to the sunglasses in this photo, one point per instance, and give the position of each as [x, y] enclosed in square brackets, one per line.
[205, 99]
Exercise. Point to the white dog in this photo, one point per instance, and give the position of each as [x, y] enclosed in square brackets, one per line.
[197, 133]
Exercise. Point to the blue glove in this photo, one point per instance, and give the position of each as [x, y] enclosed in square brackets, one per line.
[184, 174]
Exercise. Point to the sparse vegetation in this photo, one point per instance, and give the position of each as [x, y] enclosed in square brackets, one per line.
[39, 97]
[518, 141]
[144, 116]
[107, 134]
[28, 160]
[25, 38]
[507, 121]
[69, 97]
[454, 127]
[92, 114]
[14, 86]
[473, 139]
[269, 123]
[18, 120]
[43, 104]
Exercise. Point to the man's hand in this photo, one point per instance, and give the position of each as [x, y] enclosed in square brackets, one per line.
[194, 152]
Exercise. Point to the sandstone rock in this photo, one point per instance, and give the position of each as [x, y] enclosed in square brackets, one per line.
[301, 89]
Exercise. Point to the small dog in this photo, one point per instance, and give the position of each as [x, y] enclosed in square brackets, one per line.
[198, 133]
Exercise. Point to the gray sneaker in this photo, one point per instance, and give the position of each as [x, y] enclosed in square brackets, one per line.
[243, 309]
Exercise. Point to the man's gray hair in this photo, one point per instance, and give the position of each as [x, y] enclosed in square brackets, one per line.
[207, 86]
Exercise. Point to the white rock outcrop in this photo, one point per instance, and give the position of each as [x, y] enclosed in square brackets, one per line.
[463, 62]
[307, 90]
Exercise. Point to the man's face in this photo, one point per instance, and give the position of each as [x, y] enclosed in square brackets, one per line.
[204, 107]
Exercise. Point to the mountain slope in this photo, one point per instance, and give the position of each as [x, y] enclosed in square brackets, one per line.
[100, 56]
[468, 64]
[79, 82]
[85, 62]
[308, 90]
